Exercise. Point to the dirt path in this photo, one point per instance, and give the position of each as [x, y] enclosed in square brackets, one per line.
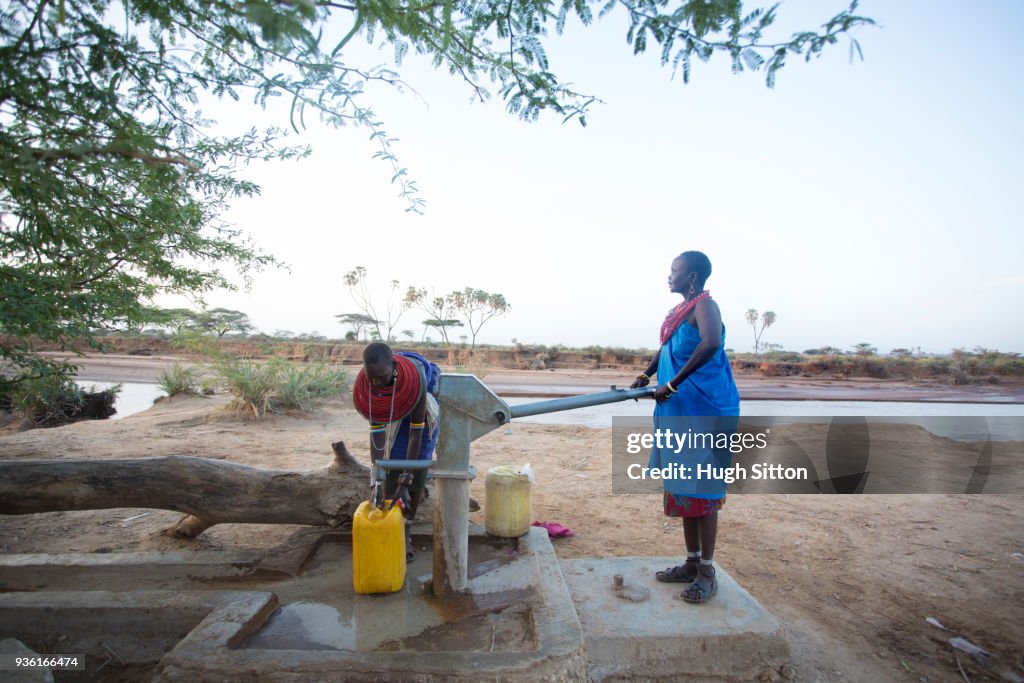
[852, 578]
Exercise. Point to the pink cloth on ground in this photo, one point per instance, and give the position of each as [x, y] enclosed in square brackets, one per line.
[555, 530]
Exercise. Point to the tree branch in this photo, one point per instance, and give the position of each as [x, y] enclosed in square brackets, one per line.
[109, 150]
[32, 24]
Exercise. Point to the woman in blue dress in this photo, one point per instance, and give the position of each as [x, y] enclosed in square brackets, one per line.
[696, 395]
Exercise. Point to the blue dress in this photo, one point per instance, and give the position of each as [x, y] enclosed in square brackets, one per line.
[706, 402]
[429, 374]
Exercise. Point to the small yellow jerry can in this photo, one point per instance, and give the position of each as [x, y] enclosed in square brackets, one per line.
[508, 502]
[378, 549]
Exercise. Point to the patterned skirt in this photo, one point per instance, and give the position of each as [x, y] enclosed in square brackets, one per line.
[684, 506]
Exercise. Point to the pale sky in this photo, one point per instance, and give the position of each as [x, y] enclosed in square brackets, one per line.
[864, 202]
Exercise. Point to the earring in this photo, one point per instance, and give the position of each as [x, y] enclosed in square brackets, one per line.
[691, 288]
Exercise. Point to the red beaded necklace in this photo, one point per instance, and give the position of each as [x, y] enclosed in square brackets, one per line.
[387, 404]
[678, 314]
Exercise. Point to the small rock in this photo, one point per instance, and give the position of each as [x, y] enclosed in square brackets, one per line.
[631, 593]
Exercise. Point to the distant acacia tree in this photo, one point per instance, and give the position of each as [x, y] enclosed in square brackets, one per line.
[383, 316]
[865, 349]
[176, 320]
[824, 351]
[358, 321]
[220, 321]
[767, 319]
[442, 326]
[217, 321]
[477, 307]
[441, 310]
[156, 319]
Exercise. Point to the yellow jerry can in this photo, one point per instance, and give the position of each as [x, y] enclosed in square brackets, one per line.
[378, 549]
[508, 502]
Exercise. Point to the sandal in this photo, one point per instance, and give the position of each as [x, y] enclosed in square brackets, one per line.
[678, 574]
[700, 592]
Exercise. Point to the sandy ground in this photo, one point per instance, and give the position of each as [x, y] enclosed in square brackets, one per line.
[851, 578]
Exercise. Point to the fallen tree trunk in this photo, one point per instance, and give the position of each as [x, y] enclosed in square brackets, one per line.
[210, 491]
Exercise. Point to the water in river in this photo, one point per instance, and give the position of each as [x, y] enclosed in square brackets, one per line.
[999, 420]
[1004, 420]
[134, 397]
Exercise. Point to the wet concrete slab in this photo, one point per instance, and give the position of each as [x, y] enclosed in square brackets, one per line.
[320, 610]
[662, 638]
[516, 623]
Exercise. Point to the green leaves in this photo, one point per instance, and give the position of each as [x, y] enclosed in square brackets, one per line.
[110, 192]
[719, 26]
[112, 185]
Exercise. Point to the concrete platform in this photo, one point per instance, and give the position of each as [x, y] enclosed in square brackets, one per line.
[110, 571]
[663, 638]
[291, 614]
[517, 623]
[158, 570]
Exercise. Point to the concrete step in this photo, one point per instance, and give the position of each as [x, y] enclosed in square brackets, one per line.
[662, 638]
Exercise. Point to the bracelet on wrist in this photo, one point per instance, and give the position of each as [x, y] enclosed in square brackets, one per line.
[671, 388]
[644, 375]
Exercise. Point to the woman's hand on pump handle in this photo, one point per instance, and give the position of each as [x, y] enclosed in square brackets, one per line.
[664, 392]
[641, 380]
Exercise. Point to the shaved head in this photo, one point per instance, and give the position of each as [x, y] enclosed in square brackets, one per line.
[377, 353]
[696, 261]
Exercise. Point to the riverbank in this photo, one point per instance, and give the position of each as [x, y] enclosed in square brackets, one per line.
[567, 382]
[852, 578]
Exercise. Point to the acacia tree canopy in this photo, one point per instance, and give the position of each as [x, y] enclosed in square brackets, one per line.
[220, 321]
[478, 307]
[112, 185]
[358, 321]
